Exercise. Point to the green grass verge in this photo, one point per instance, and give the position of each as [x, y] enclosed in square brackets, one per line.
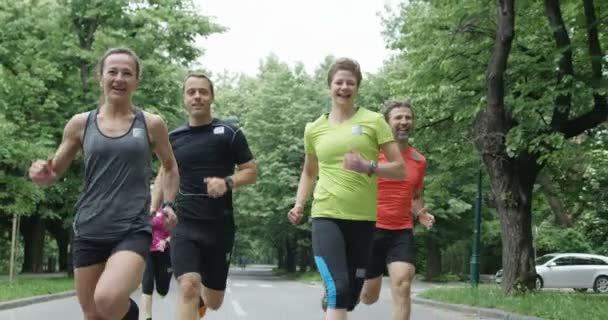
[30, 287]
[551, 305]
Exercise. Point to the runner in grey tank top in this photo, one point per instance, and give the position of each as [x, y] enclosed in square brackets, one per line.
[112, 228]
[116, 196]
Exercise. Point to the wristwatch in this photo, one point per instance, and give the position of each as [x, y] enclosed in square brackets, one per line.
[229, 183]
[371, 169]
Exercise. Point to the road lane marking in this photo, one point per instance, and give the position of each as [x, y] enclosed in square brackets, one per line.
[238, 309]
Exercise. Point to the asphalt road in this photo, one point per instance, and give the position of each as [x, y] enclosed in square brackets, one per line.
[252, 293]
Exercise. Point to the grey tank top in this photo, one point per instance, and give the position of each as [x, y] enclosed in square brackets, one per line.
[115, 200]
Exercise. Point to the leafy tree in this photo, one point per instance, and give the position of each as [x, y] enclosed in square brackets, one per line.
[277, 109]
[47, 74]
[520, 118]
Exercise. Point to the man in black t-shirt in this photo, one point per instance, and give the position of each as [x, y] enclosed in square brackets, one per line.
[207, 151]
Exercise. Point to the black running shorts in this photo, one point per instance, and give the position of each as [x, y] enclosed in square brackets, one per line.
[390, 246]
[90, 252]
[205, 249]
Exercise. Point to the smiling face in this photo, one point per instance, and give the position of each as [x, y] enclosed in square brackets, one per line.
[343, 88]
[198, 97]
[119, 77]
[401, 121]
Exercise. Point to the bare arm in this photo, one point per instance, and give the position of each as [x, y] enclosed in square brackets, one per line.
[157, 192]
[47, 172]
[246, 174]
[417, 202]
[420, 212]
[72, 140]
[307, 182]
[168, 177]
[394, 168]
[307, 179]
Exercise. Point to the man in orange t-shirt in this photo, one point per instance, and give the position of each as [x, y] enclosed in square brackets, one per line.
[399, 202]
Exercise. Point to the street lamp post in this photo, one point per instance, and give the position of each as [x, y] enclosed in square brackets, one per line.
[476, 236]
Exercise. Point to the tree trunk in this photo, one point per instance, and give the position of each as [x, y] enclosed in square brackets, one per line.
[62, 237]
[433, 258]
[513, 181]
[290, 256]
[85, 27]
[303, 258]
[32, 229]
[511, 177]
[281, 261]
[70, 262]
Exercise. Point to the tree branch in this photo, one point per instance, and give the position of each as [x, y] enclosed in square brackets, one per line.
[563, 102]
[542, 118]
[599, 113]
[500, 56]
[595, 50]
[588, 120]
[434, 123]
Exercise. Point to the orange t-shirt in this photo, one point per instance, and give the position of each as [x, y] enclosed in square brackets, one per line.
[395, 197]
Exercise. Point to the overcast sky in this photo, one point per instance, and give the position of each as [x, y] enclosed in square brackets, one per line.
[294, 30]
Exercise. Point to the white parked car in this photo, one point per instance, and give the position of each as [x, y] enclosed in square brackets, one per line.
[578, 271]
[573, 270]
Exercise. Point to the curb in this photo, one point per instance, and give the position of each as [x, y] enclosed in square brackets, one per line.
[11, 304]
[482, 312]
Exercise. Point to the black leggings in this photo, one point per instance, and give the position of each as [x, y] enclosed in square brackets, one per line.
[158, 269]
[342, 250]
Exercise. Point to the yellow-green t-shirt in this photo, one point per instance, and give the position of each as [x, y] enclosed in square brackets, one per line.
[341, 193]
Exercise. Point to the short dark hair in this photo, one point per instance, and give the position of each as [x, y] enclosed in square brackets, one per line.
[127, 51]
[198, 74]
[345, 64]
[389, 106]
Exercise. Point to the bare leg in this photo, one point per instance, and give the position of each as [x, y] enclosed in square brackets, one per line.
[86, 280]
[335, 314]
[121, 276]
[146, 306]
[402, 275]
[213, 298]
[371, 290]
[188, 297]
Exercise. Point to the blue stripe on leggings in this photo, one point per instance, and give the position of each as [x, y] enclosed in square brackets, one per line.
[330, 284]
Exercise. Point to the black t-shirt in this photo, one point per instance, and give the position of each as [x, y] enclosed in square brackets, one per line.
[211, 150]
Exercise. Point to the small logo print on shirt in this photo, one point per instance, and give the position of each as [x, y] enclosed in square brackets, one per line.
[357, 130]
[360, 273]
[138, 132]
[218, 130]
